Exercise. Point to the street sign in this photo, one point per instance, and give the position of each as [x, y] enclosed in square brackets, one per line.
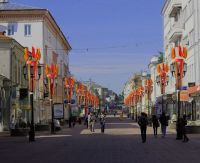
[184, 96]
[184, 88]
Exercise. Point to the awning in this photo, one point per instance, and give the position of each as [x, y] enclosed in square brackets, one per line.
[194, 91]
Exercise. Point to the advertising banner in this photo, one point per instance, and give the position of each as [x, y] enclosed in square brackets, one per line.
[58, 111]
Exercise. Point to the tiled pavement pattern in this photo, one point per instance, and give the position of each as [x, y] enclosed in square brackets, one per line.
[120, 143]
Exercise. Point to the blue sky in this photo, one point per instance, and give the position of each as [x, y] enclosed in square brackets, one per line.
[111, 39]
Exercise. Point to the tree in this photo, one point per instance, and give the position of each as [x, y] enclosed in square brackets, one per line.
[161, 57]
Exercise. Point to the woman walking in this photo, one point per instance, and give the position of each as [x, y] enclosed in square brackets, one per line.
[155, 125]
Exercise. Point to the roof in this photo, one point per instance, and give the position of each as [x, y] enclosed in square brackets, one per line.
[3, 37]
[14, 6]
[166, 3]
[7, 6]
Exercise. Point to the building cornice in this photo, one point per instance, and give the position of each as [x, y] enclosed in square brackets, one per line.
[166, 4]
[42, 14]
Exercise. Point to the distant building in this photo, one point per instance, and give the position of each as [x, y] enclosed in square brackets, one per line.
[106, 96]
[156, 88]
[131, 85]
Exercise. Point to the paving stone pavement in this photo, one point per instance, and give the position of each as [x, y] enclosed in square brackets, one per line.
[121, 143]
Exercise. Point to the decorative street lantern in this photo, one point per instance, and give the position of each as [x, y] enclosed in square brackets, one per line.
[32, 72]
[69, 84]
[139, 94]
[148, 91]
[51, 81]
[162, 79]
[178, 69]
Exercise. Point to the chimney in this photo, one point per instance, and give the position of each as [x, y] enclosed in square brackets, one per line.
[3, 1]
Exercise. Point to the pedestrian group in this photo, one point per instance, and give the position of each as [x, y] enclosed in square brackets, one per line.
[163, 122]
[91, 119]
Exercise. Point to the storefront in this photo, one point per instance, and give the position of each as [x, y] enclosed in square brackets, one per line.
[194, 108]
[5, 100]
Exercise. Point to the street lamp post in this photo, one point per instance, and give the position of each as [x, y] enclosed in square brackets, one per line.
[32, 72]
[140, 93]
[178, 70]
[148, 91]
[162, 79]
[51, 81]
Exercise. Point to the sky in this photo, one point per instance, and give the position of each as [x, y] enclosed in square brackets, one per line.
[110, 39]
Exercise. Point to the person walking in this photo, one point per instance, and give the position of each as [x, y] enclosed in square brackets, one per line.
[143, 122]
[86, 120]
[183, 124]
[12, 125]
[102, 122]
[155, 125]
[89, 121]
[164, 124]
[92, 121]
[74, 118]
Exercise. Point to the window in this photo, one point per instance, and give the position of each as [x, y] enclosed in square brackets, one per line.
[55, 57]
[11, 29]
[27, 29]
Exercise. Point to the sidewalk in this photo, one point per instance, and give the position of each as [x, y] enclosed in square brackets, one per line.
[64, 130]
[121, 127]
[5, 134]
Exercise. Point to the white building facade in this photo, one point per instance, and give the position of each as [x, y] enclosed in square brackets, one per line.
[36, 27]
[181, 27]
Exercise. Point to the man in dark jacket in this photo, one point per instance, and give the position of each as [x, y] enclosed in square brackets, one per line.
[183, 124]
[143, 122]
[164, 124]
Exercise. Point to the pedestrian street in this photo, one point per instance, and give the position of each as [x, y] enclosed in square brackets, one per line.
[121, 143]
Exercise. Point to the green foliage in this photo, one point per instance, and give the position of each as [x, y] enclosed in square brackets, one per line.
[161, 57]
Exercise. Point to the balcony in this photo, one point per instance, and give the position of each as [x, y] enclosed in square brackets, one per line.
[176, 31]
[175, 7]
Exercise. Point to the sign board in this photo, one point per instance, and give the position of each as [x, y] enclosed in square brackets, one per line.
[184, 88]
[58, 111]
[74, 109]
[184, 96]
